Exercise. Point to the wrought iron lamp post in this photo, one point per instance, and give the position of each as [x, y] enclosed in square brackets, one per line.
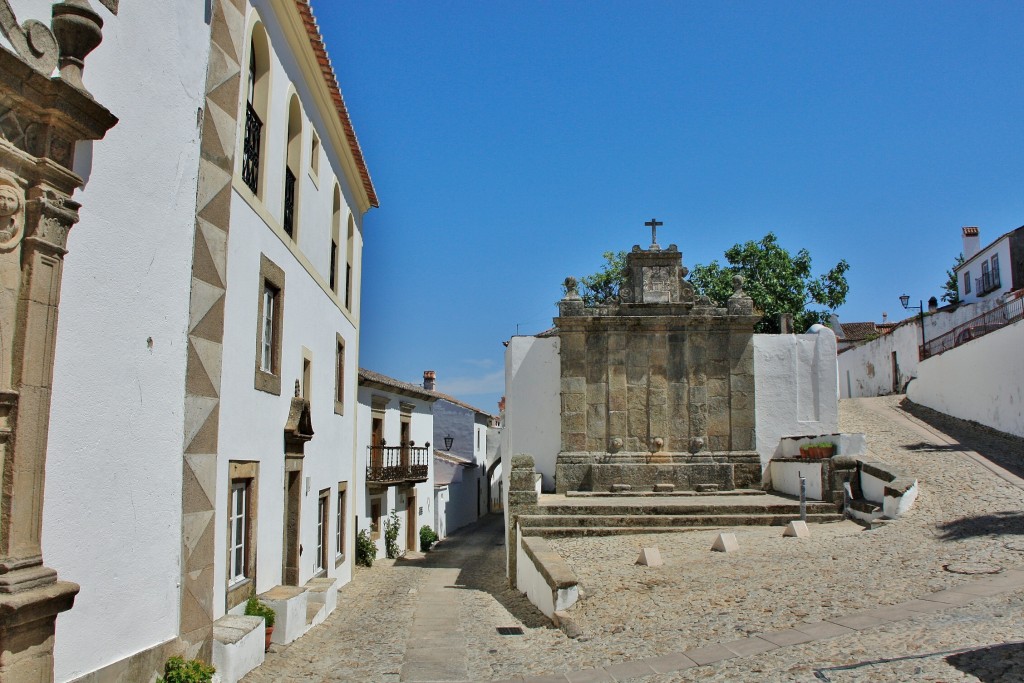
[448, 441]
[905, 299]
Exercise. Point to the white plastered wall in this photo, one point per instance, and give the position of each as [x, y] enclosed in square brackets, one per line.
[532, 405]
[795, 387]
[112, 510]
[983, 380]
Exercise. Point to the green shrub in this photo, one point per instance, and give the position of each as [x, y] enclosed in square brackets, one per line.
[255, 607]
[177, 670]
[391, 526]
[366, 549]
[428, 537]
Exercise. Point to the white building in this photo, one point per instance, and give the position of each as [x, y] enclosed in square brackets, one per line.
[990, 272]
[215, 268]
[396, 424]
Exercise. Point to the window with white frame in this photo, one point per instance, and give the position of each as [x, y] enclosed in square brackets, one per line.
[996, 283]
[239, 530]
[269, 321]
[267, 351]
[320, 561]
[339, 530]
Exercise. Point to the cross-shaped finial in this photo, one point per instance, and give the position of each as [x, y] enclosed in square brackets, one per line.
[653, 225]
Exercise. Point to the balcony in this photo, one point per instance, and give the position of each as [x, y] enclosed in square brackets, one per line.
[392, 465]
[988, 282]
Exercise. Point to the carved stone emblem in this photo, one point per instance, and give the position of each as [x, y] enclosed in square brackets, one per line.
[657, 284]
[12, 214]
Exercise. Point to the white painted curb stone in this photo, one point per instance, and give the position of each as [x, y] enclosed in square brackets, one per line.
[650, 557]
[797, 529]
[726, 543]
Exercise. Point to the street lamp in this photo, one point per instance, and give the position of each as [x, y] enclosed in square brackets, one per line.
[448, 441]
[905, 299]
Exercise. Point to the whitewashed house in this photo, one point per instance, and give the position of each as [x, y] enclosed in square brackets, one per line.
[202, 436]
[991, 271]
[396, 424]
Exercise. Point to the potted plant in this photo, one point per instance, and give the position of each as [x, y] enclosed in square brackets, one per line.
[823, 449]
[255, 607]
[177, 670]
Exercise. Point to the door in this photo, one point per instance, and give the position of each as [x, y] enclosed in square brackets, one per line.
[411, 533]
[377, 443]
[895, 374]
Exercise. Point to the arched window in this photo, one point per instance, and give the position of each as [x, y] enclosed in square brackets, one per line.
[335, 238]
[257, 86]
[349, 242]
[292, 166]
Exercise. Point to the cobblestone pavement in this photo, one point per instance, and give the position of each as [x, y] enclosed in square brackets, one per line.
[637, 620]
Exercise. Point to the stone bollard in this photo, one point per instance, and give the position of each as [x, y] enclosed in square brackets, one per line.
[726, 543]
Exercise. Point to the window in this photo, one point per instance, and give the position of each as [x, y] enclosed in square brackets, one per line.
[241, 536]
[339, 377]
[967, 282]
[314, 154]
[270, 318]
[335, 237]
[996, 283]
[349, 248]
[339, 531]
[375, 518]
[289, 220]
[239, 529]
[255, 115]
[320, 561]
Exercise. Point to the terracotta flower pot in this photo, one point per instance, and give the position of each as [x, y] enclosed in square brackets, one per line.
[270, 632]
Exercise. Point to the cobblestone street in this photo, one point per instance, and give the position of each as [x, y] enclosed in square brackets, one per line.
[436, 617]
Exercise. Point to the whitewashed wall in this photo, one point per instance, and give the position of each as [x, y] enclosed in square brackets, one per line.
[112, 512]
[795, 387]
[532, 404]
[982, 380]
[421, 431]
[867, 370]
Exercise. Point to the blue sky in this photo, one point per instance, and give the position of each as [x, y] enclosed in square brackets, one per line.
[512, 143]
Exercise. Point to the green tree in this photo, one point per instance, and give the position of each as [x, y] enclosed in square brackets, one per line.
[604, 285]
[951, 287]
[777, 281]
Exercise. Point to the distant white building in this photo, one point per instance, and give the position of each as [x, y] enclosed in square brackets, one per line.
[990, 272]
[396, 424]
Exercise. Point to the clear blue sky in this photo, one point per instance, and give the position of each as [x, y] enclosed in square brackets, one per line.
[512, 143]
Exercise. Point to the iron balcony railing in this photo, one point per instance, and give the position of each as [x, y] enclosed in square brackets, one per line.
[251, 148]
[397, 464]
[289, 201]
[1010, 312]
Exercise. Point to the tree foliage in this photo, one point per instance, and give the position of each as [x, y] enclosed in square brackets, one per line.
[777, 281]
[951, 289]
[604, 285]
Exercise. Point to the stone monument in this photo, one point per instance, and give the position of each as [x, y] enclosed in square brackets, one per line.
[657, 386]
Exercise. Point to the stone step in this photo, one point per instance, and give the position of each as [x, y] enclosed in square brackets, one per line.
[675, 493]
[677, 508]
[773, 518]
[573, 531]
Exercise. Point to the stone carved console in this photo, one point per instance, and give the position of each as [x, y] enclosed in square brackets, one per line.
[657, 387]
[42, 117]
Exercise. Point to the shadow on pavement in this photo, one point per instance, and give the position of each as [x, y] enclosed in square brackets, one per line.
[478, 551]
[993, 664]
[1008, 522]
[1003, 449]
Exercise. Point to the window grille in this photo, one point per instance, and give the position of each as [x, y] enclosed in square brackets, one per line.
[289, 201]
[251, 148]
[239, 509]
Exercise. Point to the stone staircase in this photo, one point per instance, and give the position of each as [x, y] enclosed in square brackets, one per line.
[583, 514]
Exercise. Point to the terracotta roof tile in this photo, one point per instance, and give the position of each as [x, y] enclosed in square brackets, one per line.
[369, 376]
[316, 41]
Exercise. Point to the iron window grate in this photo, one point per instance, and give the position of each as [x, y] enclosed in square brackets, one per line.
[510, 631]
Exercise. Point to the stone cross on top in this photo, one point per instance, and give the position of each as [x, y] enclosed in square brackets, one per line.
[653, 225]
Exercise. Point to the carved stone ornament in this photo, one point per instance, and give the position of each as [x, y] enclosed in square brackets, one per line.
[571, 288]
[32, 41]
[12, 214]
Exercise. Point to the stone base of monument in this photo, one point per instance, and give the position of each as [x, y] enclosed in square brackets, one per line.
[705, 471]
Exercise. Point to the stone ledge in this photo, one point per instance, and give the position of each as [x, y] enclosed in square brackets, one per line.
[550, 564]
[878, 470]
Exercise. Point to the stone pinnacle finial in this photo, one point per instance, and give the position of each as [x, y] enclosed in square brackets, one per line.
[737, 285]
[570, 288]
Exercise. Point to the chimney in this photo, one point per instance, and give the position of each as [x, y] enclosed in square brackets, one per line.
[836, 327]
[972, 241]
[933, 305]
[885, 317]
[429, 377]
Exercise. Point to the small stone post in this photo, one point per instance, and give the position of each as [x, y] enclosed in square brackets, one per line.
[522, 499]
